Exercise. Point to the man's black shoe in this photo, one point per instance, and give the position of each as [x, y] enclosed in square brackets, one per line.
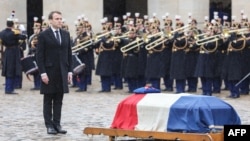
[168, 89]
[34, 89]
[225, 89]
[103, 91]
[192, 91]
[130, 92]
[60, 130]
[235, 96]
[11, 93]
[118, 88]
[216, 91]
[18, 87]
[244, 93]
[51, 130]
[79, 90]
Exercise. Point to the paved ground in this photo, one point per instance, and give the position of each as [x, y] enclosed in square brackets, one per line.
[21, 116]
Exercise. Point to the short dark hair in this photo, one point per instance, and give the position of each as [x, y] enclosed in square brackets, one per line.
[50, 17]
[9, 23]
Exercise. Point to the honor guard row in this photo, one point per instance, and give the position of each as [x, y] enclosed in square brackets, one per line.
[193, 42]
[142, 51]
[144, 39]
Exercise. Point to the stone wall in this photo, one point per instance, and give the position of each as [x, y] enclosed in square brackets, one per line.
[93, 9]
[7, 6]
[71, 9]
[180, 7]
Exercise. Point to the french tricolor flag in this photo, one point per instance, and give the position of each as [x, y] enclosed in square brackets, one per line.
[173, 113]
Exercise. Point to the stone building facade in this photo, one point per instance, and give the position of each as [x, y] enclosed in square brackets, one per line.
[94, 9]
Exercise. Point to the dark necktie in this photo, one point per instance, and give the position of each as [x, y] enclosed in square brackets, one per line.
[57, 36]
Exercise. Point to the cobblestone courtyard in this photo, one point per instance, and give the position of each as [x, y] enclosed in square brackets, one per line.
[21, 117]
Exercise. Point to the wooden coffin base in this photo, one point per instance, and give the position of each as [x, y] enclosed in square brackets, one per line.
[158, 136]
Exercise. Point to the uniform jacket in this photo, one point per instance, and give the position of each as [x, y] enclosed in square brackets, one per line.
[177, 65]
[104, 66]
[11, 57]
[85, 54]
[130, 61]
[234, 65]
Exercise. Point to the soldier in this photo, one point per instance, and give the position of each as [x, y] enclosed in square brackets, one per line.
[219, 54]
[142, 54]
[146, 25]
[166, 56]
[66, 27]
[104, 67]
[177, 68]
[153, 72]
[11, 61]
[22, 47]
[206, 64]
[84, 55]
[130, 59]
[32, 52]
[244, 86]
[234, 68]
[192, 53]
[217, 81]
[223, 51]
[45, 24]
[118, 84]
[91, 52]
[139, 26]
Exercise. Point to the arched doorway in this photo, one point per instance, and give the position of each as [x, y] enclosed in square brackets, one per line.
[118, 8]
[223, 7]
[34, 9]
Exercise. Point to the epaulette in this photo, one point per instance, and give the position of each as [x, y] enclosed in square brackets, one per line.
[16, 31]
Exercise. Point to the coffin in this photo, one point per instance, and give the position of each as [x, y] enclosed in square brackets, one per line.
[166, 112]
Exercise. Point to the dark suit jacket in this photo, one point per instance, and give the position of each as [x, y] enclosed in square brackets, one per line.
[55, 60]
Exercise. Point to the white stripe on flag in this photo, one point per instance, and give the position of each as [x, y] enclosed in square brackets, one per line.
[153, 111]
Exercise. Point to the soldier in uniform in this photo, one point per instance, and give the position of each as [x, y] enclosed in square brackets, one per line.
[192, 53]
[104, 67]
[32, 51]
[142, 54]
[11, 60]
[22, 47]
[66, 27]
[91, 52]
[234, 65]
[177, 68]
[45, 24]
[130, 60]
[223, 51]
[153, 72]
[117, 78]
[206, 64]
[146, 26]
[244, 86]
[166, 56]
[84, 55]
[75, 42]
[217, 81]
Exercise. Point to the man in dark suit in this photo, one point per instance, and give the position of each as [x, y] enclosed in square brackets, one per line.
[54, 60]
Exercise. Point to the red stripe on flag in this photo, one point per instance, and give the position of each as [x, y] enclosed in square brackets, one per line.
[126, 113]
